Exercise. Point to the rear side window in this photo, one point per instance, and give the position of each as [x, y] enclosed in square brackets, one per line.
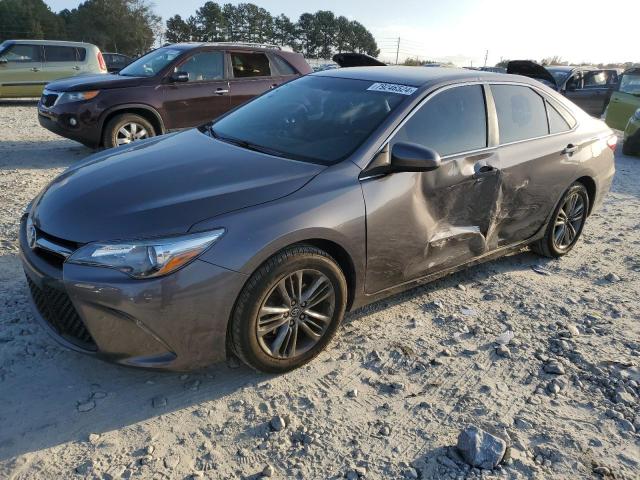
[19, 53]
[249, 64]
[521, 113]
[281, 66]
[453, 121]
[557, 123]
[56, 53]
[81, 53]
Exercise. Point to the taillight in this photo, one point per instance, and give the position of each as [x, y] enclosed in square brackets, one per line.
[612, 141]
[103, 66]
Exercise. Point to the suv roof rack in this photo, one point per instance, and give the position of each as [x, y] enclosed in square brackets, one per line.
[246, 44]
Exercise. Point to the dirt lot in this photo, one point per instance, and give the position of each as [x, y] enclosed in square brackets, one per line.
[386, 400]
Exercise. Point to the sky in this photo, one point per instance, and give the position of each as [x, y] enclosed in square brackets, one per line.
[463, 31]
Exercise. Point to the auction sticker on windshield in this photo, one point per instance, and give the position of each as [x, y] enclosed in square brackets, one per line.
[392, 88]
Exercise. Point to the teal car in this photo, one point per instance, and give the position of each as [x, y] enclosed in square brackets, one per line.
[631, 145]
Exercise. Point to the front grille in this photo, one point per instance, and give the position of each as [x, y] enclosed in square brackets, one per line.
[48, 99]
[56, 308]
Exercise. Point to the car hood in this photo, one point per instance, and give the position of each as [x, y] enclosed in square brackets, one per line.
[531, 69]
[99, 81]
[356, 60]
[162, 186]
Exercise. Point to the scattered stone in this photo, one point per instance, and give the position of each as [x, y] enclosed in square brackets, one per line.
[602, 470]
[554, 367]
[347, 356]
[503, 351]
[522, 424]
[624, 397]
[468, 311]
[385, 431]
[171, 461]
[612, 277]
[149, 449]
[479, 448]
[267, 471]
[94, 438]
[572, 330]
[86, 406]
[278, 423]
[353, 393]
[505, 337]
[446, 352]
[85, 468]
[490, 297]
[159, 401]
[553, 387]
[411, 473]
[541, 270]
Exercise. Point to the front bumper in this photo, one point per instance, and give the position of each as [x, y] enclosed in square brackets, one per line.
[57, 120]
[177, 322]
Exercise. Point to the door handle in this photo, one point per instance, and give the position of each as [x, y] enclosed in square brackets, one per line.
[220, 91]
[274, 85]
[35, 69]
[76, 68]
[483, 169]
[570, 149]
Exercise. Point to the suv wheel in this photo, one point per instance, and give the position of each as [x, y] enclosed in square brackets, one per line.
[126, 128]
[566, 223]
[289, 310]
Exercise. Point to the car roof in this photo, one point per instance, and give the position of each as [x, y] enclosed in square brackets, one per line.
[60, 43]
[226, 45]
[420, 77]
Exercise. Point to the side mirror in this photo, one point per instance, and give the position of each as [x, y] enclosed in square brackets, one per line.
[411, 157]
[180, 77]
[3, 60]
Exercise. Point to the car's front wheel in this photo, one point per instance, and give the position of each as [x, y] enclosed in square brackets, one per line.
[289, 310]
[126, 128]
[566, 223]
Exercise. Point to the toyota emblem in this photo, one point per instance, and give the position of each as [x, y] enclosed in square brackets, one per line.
[31, 235]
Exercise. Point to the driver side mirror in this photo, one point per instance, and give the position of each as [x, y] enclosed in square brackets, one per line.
[180, 77]
[3, 61]
[411, 157]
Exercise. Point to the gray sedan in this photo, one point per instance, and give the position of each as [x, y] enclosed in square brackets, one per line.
[254, 234]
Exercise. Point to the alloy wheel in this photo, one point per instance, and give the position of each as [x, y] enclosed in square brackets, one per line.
[130, 132]
[569, 221]
[295, 314]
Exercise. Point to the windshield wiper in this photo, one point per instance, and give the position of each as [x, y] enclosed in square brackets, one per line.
[247, 145]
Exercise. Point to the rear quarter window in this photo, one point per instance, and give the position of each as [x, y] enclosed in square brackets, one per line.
[56, 53]
[281, 66]
[521, 113]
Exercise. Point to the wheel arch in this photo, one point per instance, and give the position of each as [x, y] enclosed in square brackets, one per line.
[145, 111]
[590, 184]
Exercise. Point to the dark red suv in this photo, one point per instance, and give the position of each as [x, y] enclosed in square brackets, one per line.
[173, 87]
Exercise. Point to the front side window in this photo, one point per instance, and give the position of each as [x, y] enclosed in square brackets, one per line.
[249, 64]
[595, 80]
[453, 121]
[521, 113]
[55, 53]
[203, 66]
[151, 63]
[20, 53]
[317, 119]
[630, 83]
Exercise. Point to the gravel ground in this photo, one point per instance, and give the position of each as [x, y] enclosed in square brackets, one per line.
[386, 400]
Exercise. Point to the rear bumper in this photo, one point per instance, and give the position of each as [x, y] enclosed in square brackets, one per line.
[177, 322]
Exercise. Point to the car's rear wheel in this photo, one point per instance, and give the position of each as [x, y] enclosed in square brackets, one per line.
[566, 223]
[289, 310]
[126, 128]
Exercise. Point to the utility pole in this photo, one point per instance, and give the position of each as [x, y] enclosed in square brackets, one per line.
[397, 50]
[486, 55]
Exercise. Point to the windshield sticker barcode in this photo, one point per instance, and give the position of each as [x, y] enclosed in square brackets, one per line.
[392, 88]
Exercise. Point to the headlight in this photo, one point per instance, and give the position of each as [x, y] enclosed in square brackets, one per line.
[68, 97]
[146, 258]
[637, 115]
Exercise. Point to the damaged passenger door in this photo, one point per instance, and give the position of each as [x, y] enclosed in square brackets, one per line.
[423, 222]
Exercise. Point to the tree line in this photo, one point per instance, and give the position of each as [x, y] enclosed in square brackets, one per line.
[316, 35]
[126, 26]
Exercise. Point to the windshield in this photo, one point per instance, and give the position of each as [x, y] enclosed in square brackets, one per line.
[630, 83]
[151, 63]
[559, 75]
[318, 119]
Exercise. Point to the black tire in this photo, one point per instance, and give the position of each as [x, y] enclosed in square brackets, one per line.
[110, 132]
[547, 246]
[627, 150]
[244, 322]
